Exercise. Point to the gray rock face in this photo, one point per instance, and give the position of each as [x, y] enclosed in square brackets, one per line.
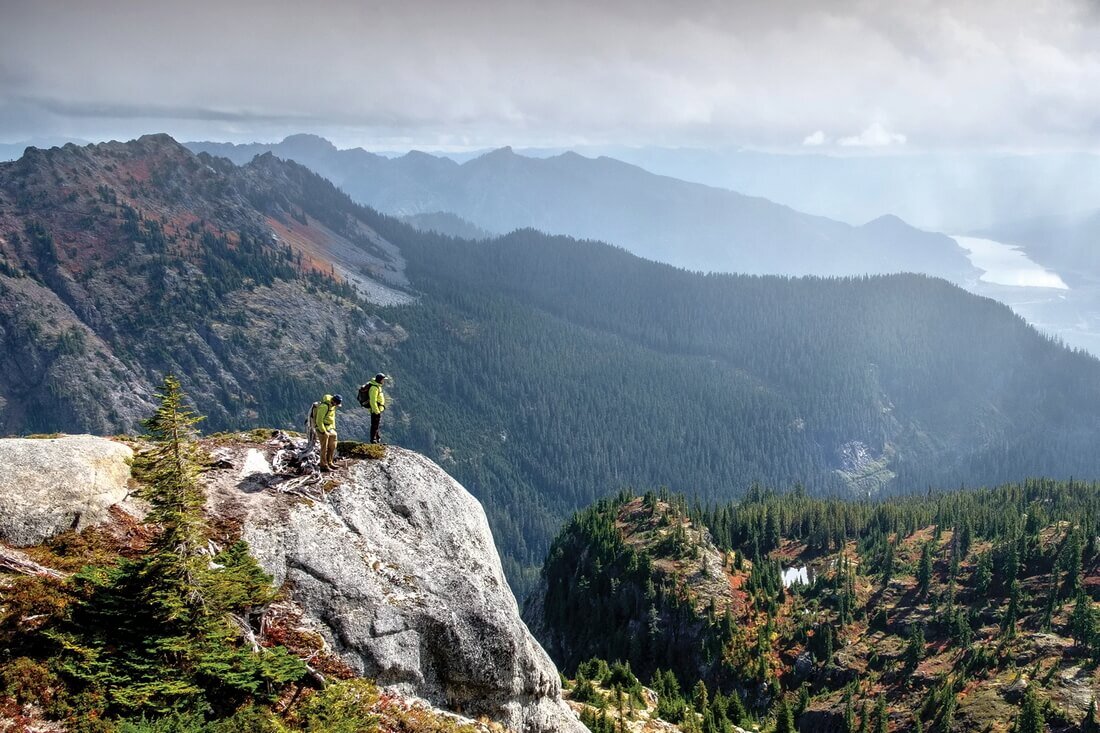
[399, 566]
[51, 485]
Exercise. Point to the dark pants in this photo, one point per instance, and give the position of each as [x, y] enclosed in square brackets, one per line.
[375, 420]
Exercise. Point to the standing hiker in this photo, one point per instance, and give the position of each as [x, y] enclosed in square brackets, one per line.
[324, 421]
[372, 398]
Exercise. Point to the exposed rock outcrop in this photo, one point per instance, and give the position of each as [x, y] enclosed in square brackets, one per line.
[50, 485]
[397, 567]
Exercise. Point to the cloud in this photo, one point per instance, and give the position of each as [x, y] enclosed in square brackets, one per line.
[950, 73]
[875, 136]
[815, 139]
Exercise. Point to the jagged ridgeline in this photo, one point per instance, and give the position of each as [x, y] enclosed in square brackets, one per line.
[542, 372]
[947, 606]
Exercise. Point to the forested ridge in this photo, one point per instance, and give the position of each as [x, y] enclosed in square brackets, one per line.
[601, 370]
[950, 611]
[543, 372]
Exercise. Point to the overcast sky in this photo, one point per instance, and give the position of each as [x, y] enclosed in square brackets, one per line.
[832, 75]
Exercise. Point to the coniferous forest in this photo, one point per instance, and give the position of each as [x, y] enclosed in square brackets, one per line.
[543, 372]
[936, 601]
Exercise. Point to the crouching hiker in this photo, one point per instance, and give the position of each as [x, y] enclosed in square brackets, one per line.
[371, 397]
[324, 422]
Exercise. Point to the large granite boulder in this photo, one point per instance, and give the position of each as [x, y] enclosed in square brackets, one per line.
[50, 485]
[399, 565]
[396, 566]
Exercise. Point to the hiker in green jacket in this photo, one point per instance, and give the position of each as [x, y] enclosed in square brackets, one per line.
[324, 421]
[375, 402]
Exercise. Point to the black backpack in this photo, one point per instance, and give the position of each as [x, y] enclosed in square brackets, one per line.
[364, 396]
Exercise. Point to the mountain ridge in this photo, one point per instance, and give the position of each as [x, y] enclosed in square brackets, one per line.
[526, 364]
[686, 224]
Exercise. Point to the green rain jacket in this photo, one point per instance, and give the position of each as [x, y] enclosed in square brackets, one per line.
[325, 417]
[376, 401]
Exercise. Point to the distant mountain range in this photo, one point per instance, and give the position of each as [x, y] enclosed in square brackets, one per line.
[543, 372]
[685, 224]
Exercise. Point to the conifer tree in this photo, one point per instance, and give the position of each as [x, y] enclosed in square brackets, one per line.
[784, 720]
[169, 470]
[1030, 719]
[163, 631]
[1090, 724]
[914, 649]
[924, 569]
[882, 717]
[983, 574]
[1012, 613]
[849, 715]
[1082, 622]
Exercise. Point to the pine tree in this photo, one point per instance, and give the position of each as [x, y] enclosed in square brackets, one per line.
[983, 574]
[924, 569]
[1030, 719]
[1012, 613]
[1082, 622]
[784, 720]
[169, 470]
[882, 717]
[914, 649]
[164, 631]
[1090, 723]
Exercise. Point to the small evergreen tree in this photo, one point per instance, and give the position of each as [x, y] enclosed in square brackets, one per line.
[914, 649]
[163, 632]
[1090, 724]
[1030, 719]
[924, 569]
[1082, 622]
[784, 720]
[882, 716]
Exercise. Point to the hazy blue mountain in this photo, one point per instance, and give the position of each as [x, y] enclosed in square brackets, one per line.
[685, 224]
[443, 222]
[951, 192]
[14, 151]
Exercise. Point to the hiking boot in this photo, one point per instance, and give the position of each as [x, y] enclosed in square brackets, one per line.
[325, 469]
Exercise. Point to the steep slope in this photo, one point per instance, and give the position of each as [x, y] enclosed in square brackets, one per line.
[395, 567]
[946, 608]
[661, 218]
[122, 262]
[541, 371]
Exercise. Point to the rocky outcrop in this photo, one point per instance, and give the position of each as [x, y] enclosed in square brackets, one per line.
[399, 566]
[396, 566]
[50, 485]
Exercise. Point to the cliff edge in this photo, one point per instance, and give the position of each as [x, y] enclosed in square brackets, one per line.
[395, 565]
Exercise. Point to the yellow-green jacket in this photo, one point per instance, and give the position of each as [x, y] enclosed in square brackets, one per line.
[376, 401]
[324, 419]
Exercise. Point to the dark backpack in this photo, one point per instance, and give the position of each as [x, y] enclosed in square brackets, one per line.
[364, 396]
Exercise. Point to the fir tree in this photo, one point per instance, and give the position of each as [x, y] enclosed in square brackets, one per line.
[924, 569]
[1090, 724]
[882, 717]
[1030, 719]
[164, 631]
[914, 649]
[1082, 622]
[983, 574]
[784, 720]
